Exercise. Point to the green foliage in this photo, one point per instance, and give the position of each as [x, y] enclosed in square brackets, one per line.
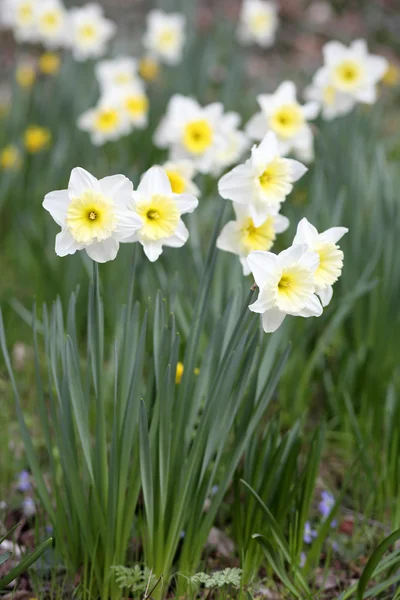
[225, 578]
[135, 579]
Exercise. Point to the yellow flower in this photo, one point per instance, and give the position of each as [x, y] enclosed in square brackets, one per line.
[160, 217]
[392, 76]
[179, 372]
[10, 158]
[149, 68]
[287, 120]
[25, 76]
[36, 138]
[177, 181]
[49, 63]
[90, 217]
[198, 136]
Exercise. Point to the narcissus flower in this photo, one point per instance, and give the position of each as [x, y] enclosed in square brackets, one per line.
[262, 182]
[242, 236]
[330, 256]
[232, 143]
[258, 22]
[149, 68]
[25, 74]
[51, 23]
[353, 71]
[286, 283]
[191, 131]
[106, 122]
[10, 158]
[89, 31]
[94, 215]
[333, 102]
[121, 72]
[282, 114]
[20, 15]
[160, 211]
[180, 174]
[133, 102]
[165, 36]
[49, 63]
[36, 138]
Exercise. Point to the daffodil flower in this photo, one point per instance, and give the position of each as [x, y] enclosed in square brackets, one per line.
[165, 36]
[333, 102]
[160, 212]
[286, 283]
[330, 256]
[262, 182]
[242, 236]
[180, 174]
[94, 215]
[282, 114]
[51, 23]
[119, 73]
[89, 31]
[258, 22]
[105, 122]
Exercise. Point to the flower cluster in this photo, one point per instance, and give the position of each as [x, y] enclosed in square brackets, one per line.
[204, 134]
[258, 22]
[84, 30]
[349, 75]
[299, 280]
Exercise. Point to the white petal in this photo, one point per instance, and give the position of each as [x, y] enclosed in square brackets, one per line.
[377, 67]
[117, 187]
[228, 239]
[256, 128]
[259, 212]
[186, 203]
[286, 92]
[272, 320]
[264, 302]
[263, 265]
[237, 184]
[57, 204]
[80, 181]
[66, 244]
[310, 110]
[296, 169]
[245, 266]
[267, 150]
[360, 48]
[291, 255]
[104, 251]
[281, 223]
[310, 260]
[334, 234]
[367, 95]
[152, 250]
[128, 223]
[334, 52]
[312, 308]
[155, 181]
[179, 238]
[306, 233]
[326, 295]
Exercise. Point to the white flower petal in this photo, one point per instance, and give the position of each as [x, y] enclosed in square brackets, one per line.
[334, 52]
[152, 250]
[334, 234]
[266, 151]
[179, 238]
[377, 67]
[310, 260]
[310, 110]
[237, 184]
[57, 204]
[291, 255]
[66, 244]
[80, 181]
[281, 223]
[256, 128]
[186, 203]
[367, 95]
[263, 265]
[306, 233]
[296, 169]
[326, 295]
[272, 319]
[117, 187]
[312, 308]
[228, 240]
[155, 181]
[128, 222]
[104, 251]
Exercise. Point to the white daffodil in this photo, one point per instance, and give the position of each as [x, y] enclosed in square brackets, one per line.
[330, 256]
[286, 283]
[242, 236]
[94, 215]
[89, 31]
[106, 122]
[258, 22]
[180, 174]
[191, 131]
[262, 182]
[232, 143]
[20, 16]
[333, 102]
[165, 36]
[160, 211]
[51, 23]
[353, 71]
[132, 102]
[282, 114]
[118, 73]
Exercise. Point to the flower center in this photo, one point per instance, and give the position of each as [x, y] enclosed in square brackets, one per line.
[274, 181]
[259, 23]
[328, 95]
[87, 33]
[137, 105]
[330, 264]
[25, 13]
[347, 75]
[160, 217]
[294, 287]
[166, 39]
[257, 238]
[51, 21]
[91, 217]
[177, 182]
[107, 120]
[287, 120]
[36, 138]
[9, 158]
[198, 136]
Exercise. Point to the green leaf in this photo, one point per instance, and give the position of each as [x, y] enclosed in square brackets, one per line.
[25, 564]
[373, 562]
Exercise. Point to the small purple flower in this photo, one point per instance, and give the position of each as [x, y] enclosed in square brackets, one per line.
[308, 534]
[326, 505]
[303, 559]
[28, 507]
[214, 490]
[24, 482]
